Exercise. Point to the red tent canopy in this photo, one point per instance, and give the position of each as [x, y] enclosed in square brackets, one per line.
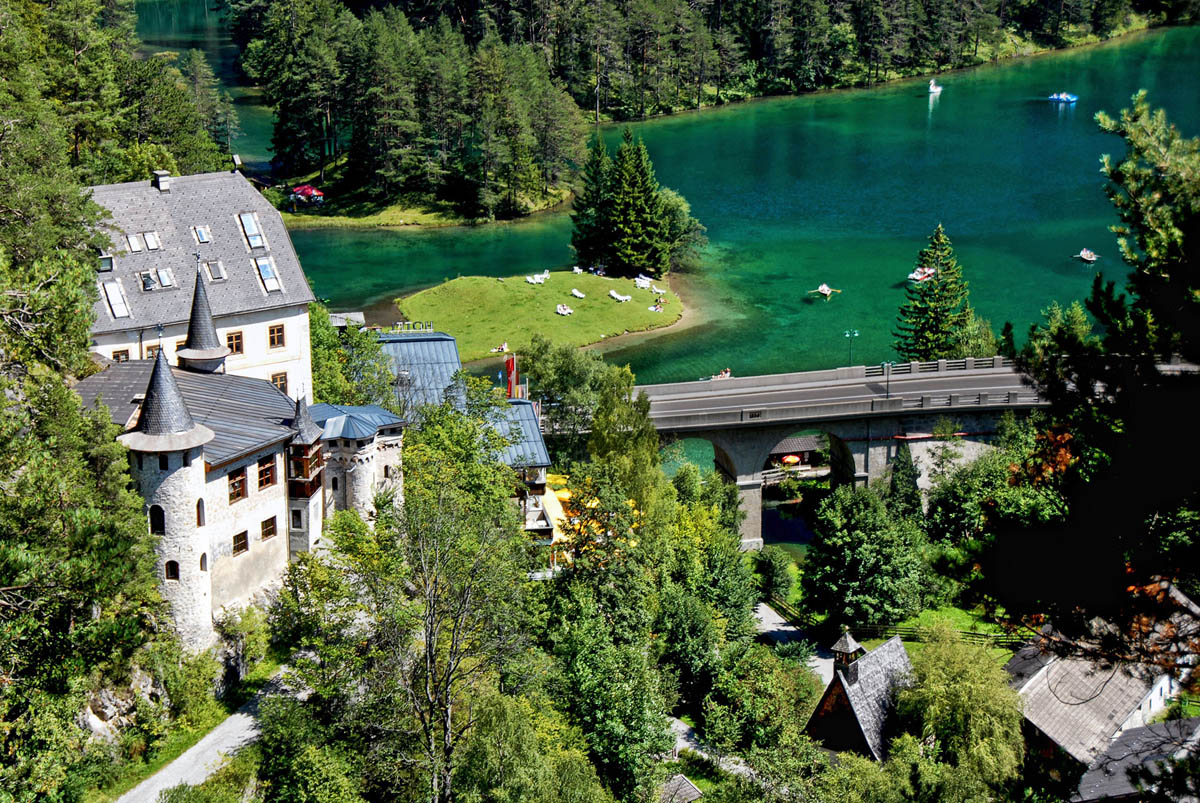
[307, 191]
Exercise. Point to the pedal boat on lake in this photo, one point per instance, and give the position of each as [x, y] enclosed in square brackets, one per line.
[1063, 97]
[1087, 255]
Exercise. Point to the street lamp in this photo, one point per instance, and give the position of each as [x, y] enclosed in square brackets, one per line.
[850, 335]
[887, 372]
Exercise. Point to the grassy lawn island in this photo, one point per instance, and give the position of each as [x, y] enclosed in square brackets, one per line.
[484, 312]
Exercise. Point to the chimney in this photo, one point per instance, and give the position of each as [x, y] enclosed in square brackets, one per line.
[237, 163]
[162, 180]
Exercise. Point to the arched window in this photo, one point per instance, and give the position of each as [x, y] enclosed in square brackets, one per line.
[204, 561]
[334, 483]
[158, 523]
[199, 512]
[172, 570]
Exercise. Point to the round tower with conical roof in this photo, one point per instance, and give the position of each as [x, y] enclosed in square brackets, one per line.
[168, 464]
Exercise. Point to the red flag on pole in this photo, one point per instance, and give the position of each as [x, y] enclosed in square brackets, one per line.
[510, 370]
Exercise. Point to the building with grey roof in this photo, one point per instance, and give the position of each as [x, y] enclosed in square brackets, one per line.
[853, 713]
[1078, 705]
[1148, 747]
[167, 233]
[363, 445]
[424, 363]
[226, 464]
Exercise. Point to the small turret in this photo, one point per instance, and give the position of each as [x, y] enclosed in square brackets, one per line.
[164, 423]
[846, 653]
[203, 350]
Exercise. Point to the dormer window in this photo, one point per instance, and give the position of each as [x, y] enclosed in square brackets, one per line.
[165, 277]
[152, 242]
[116, 300]
[203, 235]
[106, 262]
[250, 228]
[215, 271]
[134, 242]
[266, 272]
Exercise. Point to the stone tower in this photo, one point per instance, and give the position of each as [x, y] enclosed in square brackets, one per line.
[168, 465]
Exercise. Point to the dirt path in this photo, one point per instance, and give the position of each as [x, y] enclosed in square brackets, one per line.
[208, 755]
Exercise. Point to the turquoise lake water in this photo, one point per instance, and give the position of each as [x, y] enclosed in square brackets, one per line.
[841, 188]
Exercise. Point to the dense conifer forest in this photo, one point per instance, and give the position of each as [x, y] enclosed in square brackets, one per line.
[483, 104]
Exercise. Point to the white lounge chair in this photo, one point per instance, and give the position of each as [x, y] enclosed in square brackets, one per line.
[656, 289]
[575, 292]
[642, 284]
[576, 269]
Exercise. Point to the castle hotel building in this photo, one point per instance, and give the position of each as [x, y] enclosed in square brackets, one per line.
[166, 229]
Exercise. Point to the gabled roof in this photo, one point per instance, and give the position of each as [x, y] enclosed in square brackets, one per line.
[520, 424]
[1108, 777]
[852, 713]
[244, 414]
[880, 673]
[1079, 704]
[347, 421]
[678, 789]
[213, 200]
[424, 363]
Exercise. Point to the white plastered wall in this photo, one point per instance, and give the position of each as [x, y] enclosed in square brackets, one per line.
[238, 579]
[258, 360]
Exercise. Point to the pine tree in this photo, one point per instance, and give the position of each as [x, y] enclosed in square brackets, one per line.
[904, 496]
[591, 214]
[935, 309]
[638, 240]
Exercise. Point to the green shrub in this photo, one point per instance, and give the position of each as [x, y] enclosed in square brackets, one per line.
[775, 579]
[247, 635]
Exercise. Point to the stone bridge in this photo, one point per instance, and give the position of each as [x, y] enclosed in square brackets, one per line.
[867, 412]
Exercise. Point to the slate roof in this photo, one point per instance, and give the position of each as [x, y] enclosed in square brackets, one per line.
[244, 414]
[163, 410]
[211, 199]
[202, 341]
[846, 644]
[347, 421]
[530, 450]
[423, 363]
[307, 431]
[798, 444]
[1108, 776]
[880, 672]
[1078, 704]
[678, 789]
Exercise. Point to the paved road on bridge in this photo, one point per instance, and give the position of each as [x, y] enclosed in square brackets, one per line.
[797, 390]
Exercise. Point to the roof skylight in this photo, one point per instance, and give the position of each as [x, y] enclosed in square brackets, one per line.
[203, 235]
[266, 272]
[134, 242]
[152, 241]
[116, 300]
[250, 227]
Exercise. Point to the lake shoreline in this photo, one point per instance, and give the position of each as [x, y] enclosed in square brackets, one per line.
[300, 222]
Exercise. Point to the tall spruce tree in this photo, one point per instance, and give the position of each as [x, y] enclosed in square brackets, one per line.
[904, 496]
[936, 309]
[638, 241]
[591, 215]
